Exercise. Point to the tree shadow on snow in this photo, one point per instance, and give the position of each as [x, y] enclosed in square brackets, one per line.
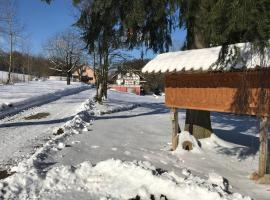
[250, 144]
[33, 123]
[242, 123]
[237, 126]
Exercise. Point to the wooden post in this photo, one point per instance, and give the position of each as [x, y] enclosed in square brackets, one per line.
[263, 154]
[174, 117]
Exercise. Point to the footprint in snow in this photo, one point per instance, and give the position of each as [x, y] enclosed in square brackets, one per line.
[114, 149]
[94, 147]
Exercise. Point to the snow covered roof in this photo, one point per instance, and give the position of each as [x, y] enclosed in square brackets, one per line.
[205, 60]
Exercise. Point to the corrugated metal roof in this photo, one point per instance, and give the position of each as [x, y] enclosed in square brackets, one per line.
[204, 60]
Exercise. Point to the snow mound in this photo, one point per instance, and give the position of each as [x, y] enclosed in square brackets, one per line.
[90, 109]
[82, 121]
[111, 179]
[61, 145]
[218, 181]
[184, 137]
[216, 141]
[110, 107]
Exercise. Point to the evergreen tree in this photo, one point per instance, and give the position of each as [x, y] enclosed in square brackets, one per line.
[111, 24]
[98, 22]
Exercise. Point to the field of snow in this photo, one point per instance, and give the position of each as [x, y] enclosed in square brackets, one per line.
[120, 150]
[14, 98]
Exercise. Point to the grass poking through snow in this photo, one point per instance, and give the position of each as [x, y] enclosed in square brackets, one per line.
[38, 116]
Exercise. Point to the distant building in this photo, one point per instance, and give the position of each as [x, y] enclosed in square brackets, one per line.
[127, 81]
[85, 74]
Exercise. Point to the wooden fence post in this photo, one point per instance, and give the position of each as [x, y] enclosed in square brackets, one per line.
[175, 128]
[263, 154]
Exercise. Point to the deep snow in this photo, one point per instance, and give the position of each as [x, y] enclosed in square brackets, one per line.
[126, 154]
[114, 179]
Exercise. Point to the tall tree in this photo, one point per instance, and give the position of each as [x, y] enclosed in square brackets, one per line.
[98, 23]
[110, 25]
[65, 51]
[25, 48]
[11, 27]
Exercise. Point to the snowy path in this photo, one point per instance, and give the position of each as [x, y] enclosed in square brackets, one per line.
[19, 137]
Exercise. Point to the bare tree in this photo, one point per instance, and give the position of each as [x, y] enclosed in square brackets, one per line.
[10, 26]
[25, 49]
[65, 52]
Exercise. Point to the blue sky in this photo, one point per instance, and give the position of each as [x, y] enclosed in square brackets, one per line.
[42, 21]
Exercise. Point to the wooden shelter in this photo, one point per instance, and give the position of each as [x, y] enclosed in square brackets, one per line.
[195, 80]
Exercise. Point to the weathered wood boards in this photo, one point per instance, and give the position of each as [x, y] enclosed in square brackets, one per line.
[235, 92]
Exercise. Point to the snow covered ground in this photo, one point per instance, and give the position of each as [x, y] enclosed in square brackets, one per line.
[104, 154]
[20, 136]
[21, 96]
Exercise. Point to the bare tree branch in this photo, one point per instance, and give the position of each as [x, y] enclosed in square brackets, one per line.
[65, 51]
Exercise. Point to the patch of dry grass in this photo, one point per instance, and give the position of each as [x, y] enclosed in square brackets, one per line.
[38, 116]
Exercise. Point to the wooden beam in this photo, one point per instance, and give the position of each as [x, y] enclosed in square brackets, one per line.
[263, 154]
[175, 128]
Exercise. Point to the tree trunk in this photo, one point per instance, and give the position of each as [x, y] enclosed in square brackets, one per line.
[102, 77]
[99, 81]
[10, 59]
[197, 122]
[68, 78]
[106, 71]
[97, 97]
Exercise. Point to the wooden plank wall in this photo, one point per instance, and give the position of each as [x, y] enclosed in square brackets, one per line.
[236, 92]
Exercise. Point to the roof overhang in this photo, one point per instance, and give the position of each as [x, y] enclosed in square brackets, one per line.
[206, 60]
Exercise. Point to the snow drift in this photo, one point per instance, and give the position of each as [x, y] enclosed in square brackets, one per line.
[112, 179]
